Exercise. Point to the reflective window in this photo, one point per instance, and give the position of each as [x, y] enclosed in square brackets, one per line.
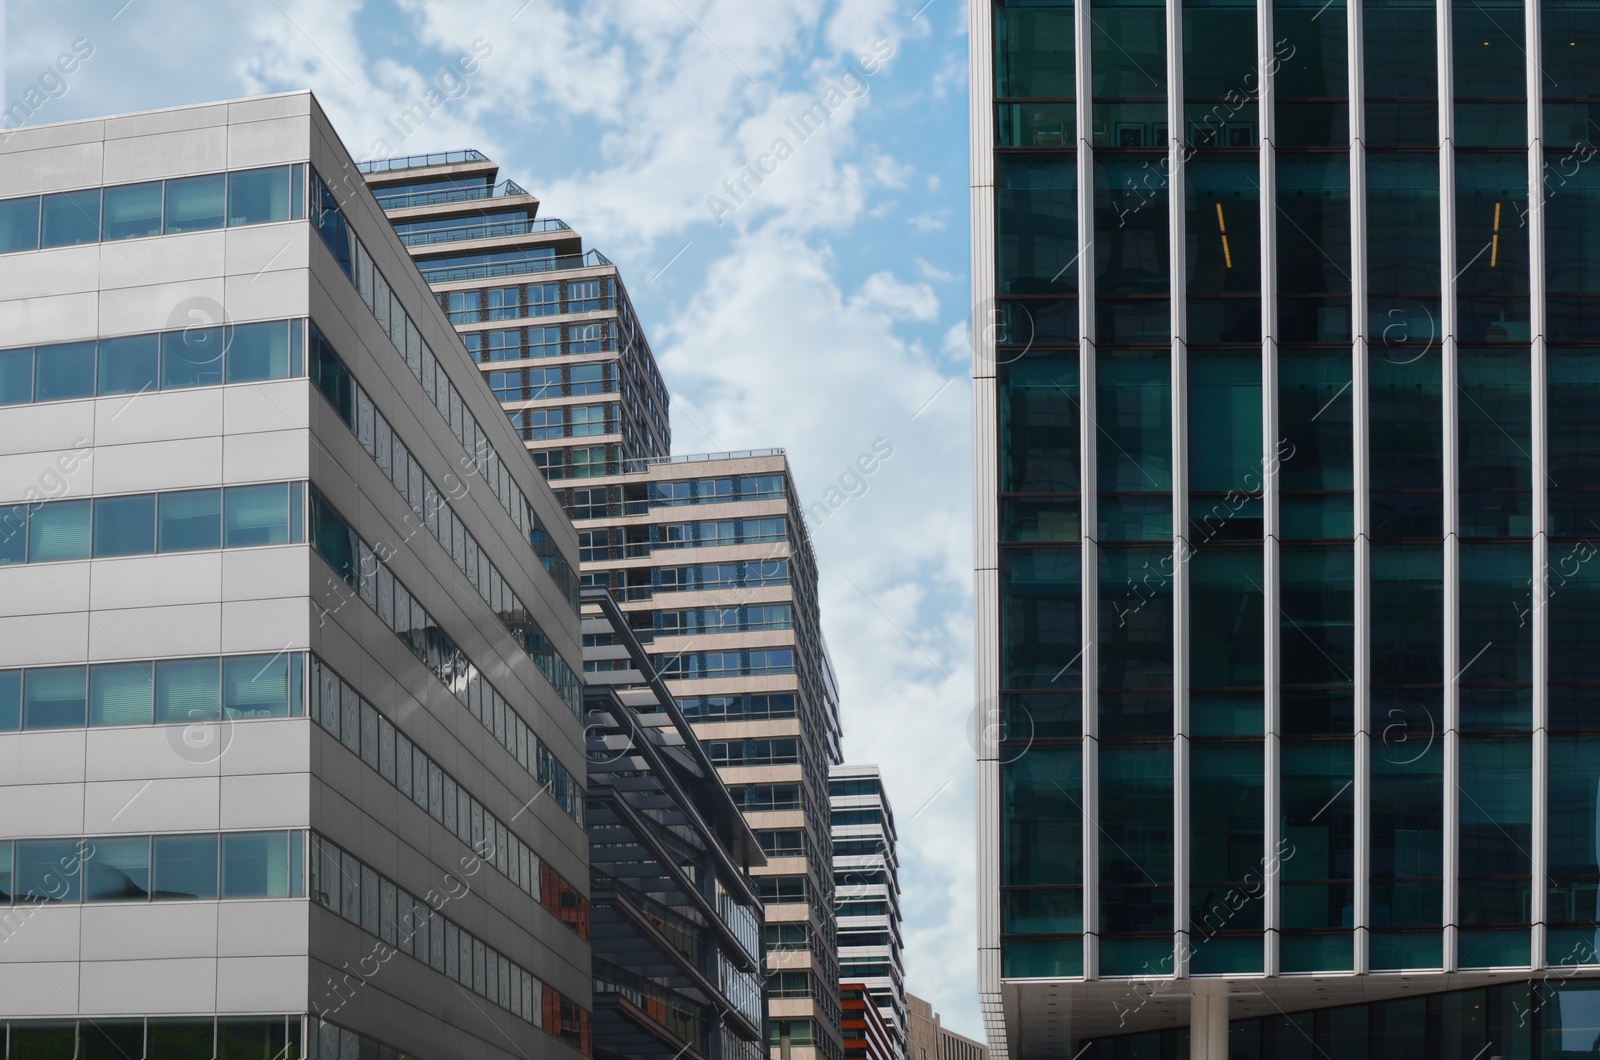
[69, 218]
[195, 203]
[187, 690]
[257, 196]
[47, 870]
[189, 520]
[192, 357]
[129, 365]
[64, 371]
[19, 225]
[132, 211]
[117, 869]
[121, 693]
[185, 867]
[125, 526]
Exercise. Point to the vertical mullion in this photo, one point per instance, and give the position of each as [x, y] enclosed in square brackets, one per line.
[1089, 485]
[1176, 287]
[1266, 59]
[1361, 407]
[1449, 390]
[1538, 371]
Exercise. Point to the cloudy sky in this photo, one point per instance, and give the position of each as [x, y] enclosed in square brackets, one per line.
[820, 310]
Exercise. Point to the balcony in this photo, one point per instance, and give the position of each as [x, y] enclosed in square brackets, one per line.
[438, 158]
[523, 267]
[486, 230]
[405, 198]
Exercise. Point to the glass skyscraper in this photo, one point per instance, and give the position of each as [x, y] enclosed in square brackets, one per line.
[1287, 352]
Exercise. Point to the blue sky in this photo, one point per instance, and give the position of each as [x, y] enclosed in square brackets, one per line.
[822, 309]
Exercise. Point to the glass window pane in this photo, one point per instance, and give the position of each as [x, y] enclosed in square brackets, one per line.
[132, 211]
[255, 865]
[13, 533]
[256, 196]
[125, 526]
[110, 1039]
[195, 203]
[10, 700]
[44, 1040]
[185, 867]
[129, 365]
[117, 870]
[252, 1039]
[256, 686]
[19, 224]
[53, 698]
[192, 357]
[63, 371]
[189, 520]
[256, 515]
[71, 217]
[187, 690]
[181, 1039]
[16, 376]
[258, 351]
[121, 693]
[47, 870]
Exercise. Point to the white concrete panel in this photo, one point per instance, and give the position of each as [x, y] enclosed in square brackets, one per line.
[49, 274]
[54, 474]
[155, 306]
[42, 933]
[262, 929]
[182, 805]
[145, 752]
[254, 250]
[174, 119]
[158, 416]
[34, 990]
[54, 436]
[43, 757]
[266, 573]
[156, 632]
[268, 800]
[47, 588]
[42, 810]
[149, 931]
[154, 987]
[265, 108]
[261, 984]
[139, 263]
[51, 169]
[275, 292]
[252, 625]
[277, 745]
[43, 640]
[259, 407]
[266, 457]
[156, 581]
[178, 463]
[49, 317]
[181, 153]
[270, 141]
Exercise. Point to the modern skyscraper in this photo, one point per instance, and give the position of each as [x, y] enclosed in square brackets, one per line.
[866, 896]
[289, 697]
[732, 624]
[1285, 315]
[865, 1035]
[549, 324]
[677, 927]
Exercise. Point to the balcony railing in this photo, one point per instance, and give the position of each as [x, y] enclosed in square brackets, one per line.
[403, 198]
[437, 158]
[449, 273]
[485, 230]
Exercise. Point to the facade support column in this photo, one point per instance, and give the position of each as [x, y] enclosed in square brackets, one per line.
[1208, 1027]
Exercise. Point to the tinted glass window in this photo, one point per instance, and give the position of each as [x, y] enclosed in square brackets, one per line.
[64, 371]
[117, 870]
[187, 690]
[10, 706]
[47, 871]
[185, 867]
[128, 365]
[257, 196]
[19, 224]
[192, 357]
[16, 377]
[256, 515]
[190, 520]
[59, 531]
[125, 526]
[132, 211]
[71, 217]
[195, 203]
[120, 693]
[258, 351]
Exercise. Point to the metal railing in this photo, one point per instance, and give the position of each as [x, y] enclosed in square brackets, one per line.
[451, 273]
[437, 158]
[483, 230]
[643, 463]
[401, 199]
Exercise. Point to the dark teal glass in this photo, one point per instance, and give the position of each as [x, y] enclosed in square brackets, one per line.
[1225, 618]
[1041, 618]
[1492, 247]
[1312, 82]
[1042, 856]
[1131, 249]
[1036, 222]
[1039, 424]
[1574, 437]
[1314, 454]
[1313, 247]
[1405, 430]
[1490, 59]
[1573, 604]
[1223, 234]
[1220, 61]
[69, 218]
[1135, 839]
[1133, 411]
[125, 526]
[1034, 52]
[1317, 617]
[64, 371]
[1572, 244]
[1571, 39]
[1408, 615]
[1402, 87]
[1496, 442]
[1496, 807]
[129, 365]
[1403, 251]
[1128, 57]
[1407, 859]
[1227, 869]
[1224, 444]
[1136, 619]
[1496, 648]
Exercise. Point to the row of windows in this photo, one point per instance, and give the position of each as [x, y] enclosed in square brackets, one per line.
[479, 265]
[161, 692]
[756, 798]
[136, 364]
[355, 407]
[754, 751]
[144, 524]
[381, 591]
[743, 663]
[379, 743]
[413, 925]
[541, 384]
[738, 619]
[162, 868]
[482, 457]
[565, 421]
[781, 890]
[158, 1038]
[154, 208]
[600, 502]
[747, 705]
[842, 817]
[782, 843]
[706, 577]
[581, 461]
[528, 300]
[533, 342]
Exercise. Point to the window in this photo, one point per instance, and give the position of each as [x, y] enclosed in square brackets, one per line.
[19, 225]
[63, 371]
[788, 843]
[261, 686]
[586, 338]
[464, 306]
[583, 296]
[544, 342]
[260, 515]
[192, 357]
[256, 865]
[125, 526]
[10, 709]
[788, 936]
[129, 365]
[16, 377]
[189, 520]
[777, 889]
[70, 218]
[505, 303]
[121, 694]
[544, 299]
[263, 351]
[117, 870]
[132, 211]
[588, 419]
[47, 871]
[188, 690]
[58, 532]
[185, 867]
[195, 203]
[586, 379]
[54, 698]
[257, 196]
